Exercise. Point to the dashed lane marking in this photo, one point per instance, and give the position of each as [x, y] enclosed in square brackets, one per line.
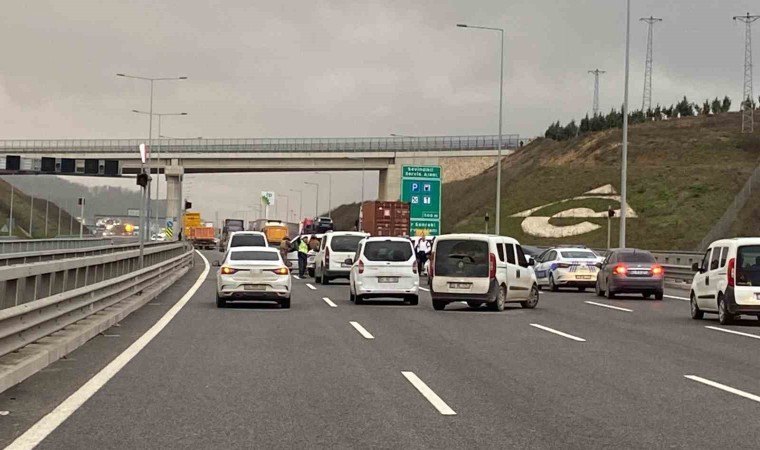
[366, 334]
[329, 302]
[428, 393]
[310, 286]
[616, 308]
[723, 387]
[557, 332]
[738, 333]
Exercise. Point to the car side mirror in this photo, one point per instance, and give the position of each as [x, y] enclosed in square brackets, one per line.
[216, 264]
[531, 262]
[598, 265]
[697, 268]
[348, 262]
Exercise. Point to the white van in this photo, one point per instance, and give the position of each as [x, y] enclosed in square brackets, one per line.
[334, 249]
[478, 269]
[384, 267]
[727, 282]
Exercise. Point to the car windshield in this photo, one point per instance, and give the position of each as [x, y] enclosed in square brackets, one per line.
[392, 251]
[254, 255]
[248, 240]
[748, 266]
[638, 257]
[345, 243]
[464, 258]
[577, 255]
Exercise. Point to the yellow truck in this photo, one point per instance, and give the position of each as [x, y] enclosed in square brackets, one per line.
[275, 231]
[190, 220]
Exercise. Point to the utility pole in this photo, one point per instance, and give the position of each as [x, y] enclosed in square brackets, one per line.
[31, 216]
[10, 214]
[47, 208]
[748, 116]
[646, 103]
[596, 73]
[59, 220]
[81, 217]
[624, 157]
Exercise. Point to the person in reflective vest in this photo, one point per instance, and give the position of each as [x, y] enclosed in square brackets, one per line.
[303, 251]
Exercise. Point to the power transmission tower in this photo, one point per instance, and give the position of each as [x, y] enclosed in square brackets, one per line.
[748, 117]
[646, 104]
[596, 73]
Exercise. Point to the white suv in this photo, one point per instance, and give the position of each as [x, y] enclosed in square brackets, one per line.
[334, 249]
[728, 280]
[384, 267]
[480, 269]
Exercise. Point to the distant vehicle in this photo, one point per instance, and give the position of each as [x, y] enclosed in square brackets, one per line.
[481, 269]
[308, 226]
[630, 271]
[190, 220]
[334, 249]
[323, 225]
[384, 267]
[381, 218]
[252, 273]
[727, 280]
[203, 237]
[566, 267]
[230, 226]
[247, 239]
[275, 231]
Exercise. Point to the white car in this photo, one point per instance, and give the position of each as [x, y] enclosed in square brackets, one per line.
[727, 282]
[567, 267]
[245, 239]
[481, 269]
[384, 267]
[334, 249]
[252, 273]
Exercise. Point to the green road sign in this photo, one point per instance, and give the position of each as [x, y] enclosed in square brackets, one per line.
[421, 188]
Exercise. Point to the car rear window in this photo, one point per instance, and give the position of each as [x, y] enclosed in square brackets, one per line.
[248, 240]
[254, 255]
[748, 265]
[578, 255]
[392, 251]
[463, 258]
[345, 243]
[638, 257]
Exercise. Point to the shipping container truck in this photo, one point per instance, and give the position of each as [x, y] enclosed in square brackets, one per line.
[203, 237]
[385, 218]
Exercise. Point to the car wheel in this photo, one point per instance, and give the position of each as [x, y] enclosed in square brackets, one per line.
[646, 295]
[358, 299]
[659, 295]
[501, 298]
[311, 273]
[439, 305]
[351, 296]
[475, 305]
[220, 302]
[610, 294]
[285, 303]
[581, 289]
[413, 300]
[532, 300]
[598, 290]
[323, 279]
[552, 287]
[696, 313]
[724, 317]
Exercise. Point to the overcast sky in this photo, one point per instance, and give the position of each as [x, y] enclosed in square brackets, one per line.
[307, 68]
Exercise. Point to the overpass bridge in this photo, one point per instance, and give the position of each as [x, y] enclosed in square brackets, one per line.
[176, 157]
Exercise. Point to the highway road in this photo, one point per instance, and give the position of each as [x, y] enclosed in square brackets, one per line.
[577, 372]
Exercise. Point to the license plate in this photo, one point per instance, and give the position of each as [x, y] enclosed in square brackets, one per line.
[584, 277]
[639, 273]
[387, 280]
[254, 287]
[460, 285]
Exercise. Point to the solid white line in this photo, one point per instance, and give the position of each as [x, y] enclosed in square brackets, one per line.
[361, 330]
[309, 285]
[425, 289]
[40, 430]
[608, 306]
[738, 333]
[559, 333]
[428, 393]
[329, 302]
[676, 298]
[723, 387]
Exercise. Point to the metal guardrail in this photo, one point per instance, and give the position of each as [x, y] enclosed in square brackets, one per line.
[10, 259]
[41, 245]
[60, 293]
[167, 146]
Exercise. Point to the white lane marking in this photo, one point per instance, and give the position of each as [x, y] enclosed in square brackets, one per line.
[361, 330]
[329, 302]
[424, 289]
[42, 429]
[296, 277]
[609, 306]
[723, 387]
[559, 333]
[738, 333]
[310, 286]
[676, 298]
[428, 393]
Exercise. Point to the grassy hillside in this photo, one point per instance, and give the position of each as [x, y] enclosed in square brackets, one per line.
[22, 208]
[345, 216]
[682, 174]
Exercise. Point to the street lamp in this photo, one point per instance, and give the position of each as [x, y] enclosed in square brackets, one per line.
[361, 205]
[158, 152]
[624, 165]
[300, 202]
[329, 194]
[317, 199]
[501, 109]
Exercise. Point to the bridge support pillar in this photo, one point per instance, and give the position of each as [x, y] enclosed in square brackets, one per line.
[389, 183]
[174, 175]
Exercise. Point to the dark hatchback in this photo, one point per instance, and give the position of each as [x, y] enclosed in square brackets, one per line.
[630, 271]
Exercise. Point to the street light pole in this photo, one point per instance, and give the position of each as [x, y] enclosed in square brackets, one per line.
[317, 199]
[624, 165]
[497, 224]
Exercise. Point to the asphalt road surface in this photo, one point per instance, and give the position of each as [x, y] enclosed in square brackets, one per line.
[331, 374]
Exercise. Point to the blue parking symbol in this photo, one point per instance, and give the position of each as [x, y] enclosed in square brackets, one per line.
[415, 187]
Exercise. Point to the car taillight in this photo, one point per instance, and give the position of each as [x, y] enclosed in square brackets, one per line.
[327, 257]
[281, 271]
[431, 265]
[620, 270]
[563, 266]
[491, 266]
[732, 272]
[228, 270]
[414, 268]
[658, 270]
[361, 266]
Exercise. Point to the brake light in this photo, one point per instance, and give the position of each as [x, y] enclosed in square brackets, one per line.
[732, 272]
[620, 270]
[491, 266]
[281, 271]
[327, 256]
[414, 268]
[228, 270]
[657, 270]
[563, 266]
[361, 266]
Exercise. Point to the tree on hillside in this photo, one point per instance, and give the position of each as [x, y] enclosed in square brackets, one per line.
[554, 131]
[726, 105]
[598, 123]
[585, 125]
[570, 131]
[637, 117]
[716, 106]
[698, 108]
[658, 112]
[684, 108]
[669, 112]
[706, 107]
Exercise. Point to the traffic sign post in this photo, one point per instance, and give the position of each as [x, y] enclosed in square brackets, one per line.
[421, 188]
[169, 229]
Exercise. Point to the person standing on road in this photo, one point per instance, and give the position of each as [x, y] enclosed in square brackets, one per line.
[422, 252]
[313, 243]
[303, 252]
[284, 249]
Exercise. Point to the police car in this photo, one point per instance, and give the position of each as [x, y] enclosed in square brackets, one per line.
[567, 267]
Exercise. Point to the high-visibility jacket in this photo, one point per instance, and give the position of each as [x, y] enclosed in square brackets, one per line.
[303, 248]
